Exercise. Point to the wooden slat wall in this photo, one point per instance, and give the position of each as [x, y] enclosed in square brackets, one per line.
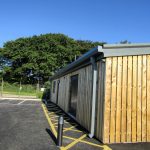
[124, 100]
[148, 98]
[139, 97]
[100, 100]
[83, 115]
[118, 99]
[144, 98]
[63, 95]
[113, 99]
[84, 96]
[134, 99]
[127, 99]
[108, 88]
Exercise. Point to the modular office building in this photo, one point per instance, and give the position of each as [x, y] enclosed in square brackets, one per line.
[107, 90]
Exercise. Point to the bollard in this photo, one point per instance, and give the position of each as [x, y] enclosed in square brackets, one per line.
[60, 131]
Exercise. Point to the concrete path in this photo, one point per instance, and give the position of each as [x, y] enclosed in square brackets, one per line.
[18, 97]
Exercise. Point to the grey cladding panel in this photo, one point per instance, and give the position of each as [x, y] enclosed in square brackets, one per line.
[126, 51]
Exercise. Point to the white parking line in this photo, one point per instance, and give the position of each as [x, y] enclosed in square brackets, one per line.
[1, 104]
[21, 102]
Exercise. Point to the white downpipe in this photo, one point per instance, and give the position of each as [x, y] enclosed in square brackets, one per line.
[94, 85]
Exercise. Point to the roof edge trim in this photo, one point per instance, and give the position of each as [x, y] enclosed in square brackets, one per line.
[80, 60]
[107, 50]
[134, 45]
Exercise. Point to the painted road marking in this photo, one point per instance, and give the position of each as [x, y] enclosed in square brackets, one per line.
[19, 105]
[66, 123]
[51, 113]
[21, 98]
[54, 117]
[74, 142]
[70, 128]
[105, 147]
[54, 120]
[49, 121]
[21, 102]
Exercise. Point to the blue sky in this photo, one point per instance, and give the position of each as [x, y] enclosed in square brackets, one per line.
[98, 20]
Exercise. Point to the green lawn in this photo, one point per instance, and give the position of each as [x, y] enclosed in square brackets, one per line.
[25, 90]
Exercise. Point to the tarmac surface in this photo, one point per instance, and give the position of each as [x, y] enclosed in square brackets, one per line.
[23, 126]
[76, 138]
[31, 125]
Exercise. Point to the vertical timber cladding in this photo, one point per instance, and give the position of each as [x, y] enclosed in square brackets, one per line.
[100, 100]
[83, 114]
[84, 96]
[127, 99]
[63, 95]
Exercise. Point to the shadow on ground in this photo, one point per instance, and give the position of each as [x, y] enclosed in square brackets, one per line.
[73, 131]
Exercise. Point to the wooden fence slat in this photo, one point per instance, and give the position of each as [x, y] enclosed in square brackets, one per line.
[119, 96]
[99, 115]
[100, 100]
[107, 100]
[139, 98]
[124, 101]
[83, 114]
[144, 100]
[98, 106]
[134, 99]
[148, 98]
[102, 96]
[67, 93]
[113, 101]
[129, 98]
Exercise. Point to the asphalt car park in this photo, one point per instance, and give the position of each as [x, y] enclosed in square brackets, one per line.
[23, 126]
[32, 125]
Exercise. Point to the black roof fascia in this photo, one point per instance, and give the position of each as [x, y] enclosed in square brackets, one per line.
[84, 58]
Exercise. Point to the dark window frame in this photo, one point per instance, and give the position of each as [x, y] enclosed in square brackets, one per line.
[54, 86]
[71, 109]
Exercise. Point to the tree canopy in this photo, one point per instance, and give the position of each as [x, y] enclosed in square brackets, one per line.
[40, 56]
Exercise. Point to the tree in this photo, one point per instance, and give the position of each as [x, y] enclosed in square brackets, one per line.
[43, 55]
[125, 42]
